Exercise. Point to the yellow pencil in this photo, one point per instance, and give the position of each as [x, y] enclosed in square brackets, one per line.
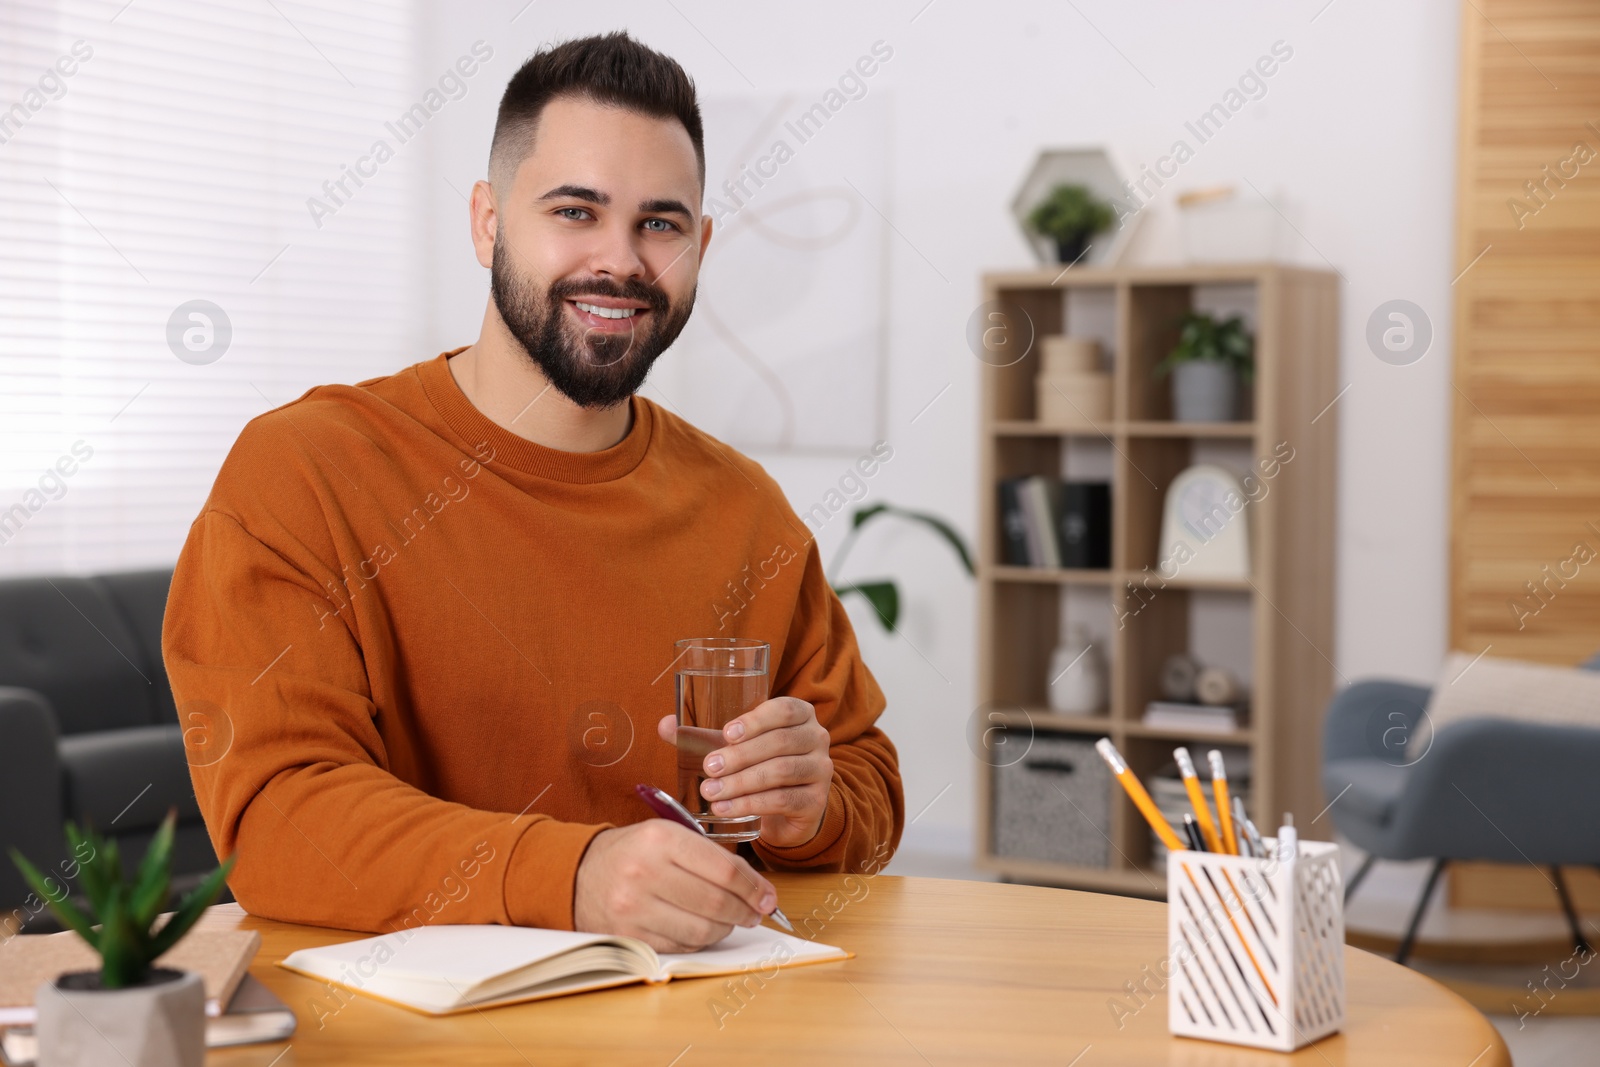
[1219, 791]
[1202, 811]
[1136, 793]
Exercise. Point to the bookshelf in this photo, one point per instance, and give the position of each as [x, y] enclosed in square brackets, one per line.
[1274, 628]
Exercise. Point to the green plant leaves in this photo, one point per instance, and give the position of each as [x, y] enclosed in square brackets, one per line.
[1070, 211]
[883, 596]
[70, 914]
[189, 912]
[1202, 337]
[126, 911]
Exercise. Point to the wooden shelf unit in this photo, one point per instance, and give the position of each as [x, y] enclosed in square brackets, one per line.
[1288, 598]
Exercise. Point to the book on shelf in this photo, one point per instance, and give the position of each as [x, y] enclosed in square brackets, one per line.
[1013, 526]
[1046, 522]
[1198, 718]
[1038, 507]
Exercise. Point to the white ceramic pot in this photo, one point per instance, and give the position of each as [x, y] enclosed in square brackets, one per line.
[159, 1024]
[1204, 391]
[1077, 676]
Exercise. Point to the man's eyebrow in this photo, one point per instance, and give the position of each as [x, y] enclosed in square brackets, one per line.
[578, 192]
[665, 206]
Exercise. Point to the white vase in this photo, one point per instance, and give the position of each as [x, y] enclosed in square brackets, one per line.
[159, 1024]
[1077, 676]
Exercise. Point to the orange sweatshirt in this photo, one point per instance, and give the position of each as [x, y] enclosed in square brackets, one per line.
[421, 659]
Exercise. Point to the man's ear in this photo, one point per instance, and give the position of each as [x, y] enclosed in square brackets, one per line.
[484, 218]
[706, 223]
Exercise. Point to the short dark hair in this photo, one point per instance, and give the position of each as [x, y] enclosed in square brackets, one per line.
[612, 70]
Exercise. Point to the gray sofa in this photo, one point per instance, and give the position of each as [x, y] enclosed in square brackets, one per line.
[88, 730]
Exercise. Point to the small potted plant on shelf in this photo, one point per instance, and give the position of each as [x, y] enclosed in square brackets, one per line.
[1210, 361]
[1069, 216]
[129, 1012]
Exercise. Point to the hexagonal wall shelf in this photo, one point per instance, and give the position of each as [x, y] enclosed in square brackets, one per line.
[1090, 167]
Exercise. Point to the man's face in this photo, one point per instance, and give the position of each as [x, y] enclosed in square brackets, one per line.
[597, 247]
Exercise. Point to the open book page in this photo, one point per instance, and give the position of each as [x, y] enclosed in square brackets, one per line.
[760, 948]
[440, 969]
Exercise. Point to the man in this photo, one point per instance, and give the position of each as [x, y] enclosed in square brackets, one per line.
[422, 631]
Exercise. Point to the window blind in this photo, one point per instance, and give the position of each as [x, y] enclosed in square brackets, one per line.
[164, 277]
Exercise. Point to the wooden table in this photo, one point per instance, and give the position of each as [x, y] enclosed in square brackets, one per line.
[945, 972]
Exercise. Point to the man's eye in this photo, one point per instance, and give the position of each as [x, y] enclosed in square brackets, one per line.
[665, 226]
[577, 213]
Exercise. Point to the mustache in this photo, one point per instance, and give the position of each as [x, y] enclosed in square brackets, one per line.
[632, 289]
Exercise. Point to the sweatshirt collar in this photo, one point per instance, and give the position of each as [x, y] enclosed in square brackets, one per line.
[477, 430]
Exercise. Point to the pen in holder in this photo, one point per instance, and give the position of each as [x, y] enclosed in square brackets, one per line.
[1257, 946]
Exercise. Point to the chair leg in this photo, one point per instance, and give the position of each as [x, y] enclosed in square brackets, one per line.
[1410, 939]
[1579, 942]
[1355, 879]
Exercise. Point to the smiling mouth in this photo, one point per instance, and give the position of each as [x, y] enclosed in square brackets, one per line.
[606, 312]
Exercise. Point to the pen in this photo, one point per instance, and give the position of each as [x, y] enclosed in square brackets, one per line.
[1202, 811]
[1288, 839]
[664, 805]
[1136, 793]
[1219, 791]
[1241, 823]
[1192, 832]
[1252, 834]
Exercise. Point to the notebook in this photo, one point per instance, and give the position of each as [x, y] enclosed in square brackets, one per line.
[254, 1015]
[26, 961]
[439, 970]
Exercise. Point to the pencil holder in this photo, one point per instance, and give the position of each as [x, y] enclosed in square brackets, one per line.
[1257, 946]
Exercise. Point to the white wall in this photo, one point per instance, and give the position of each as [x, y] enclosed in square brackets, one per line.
[1356, 130]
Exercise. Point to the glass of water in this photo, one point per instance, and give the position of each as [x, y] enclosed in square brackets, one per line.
[719, 679]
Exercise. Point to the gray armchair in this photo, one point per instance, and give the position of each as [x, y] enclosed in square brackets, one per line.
[88, 729]
[1489, 789]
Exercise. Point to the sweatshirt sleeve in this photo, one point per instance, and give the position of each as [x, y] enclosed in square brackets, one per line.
[865, 811]
[290, 770]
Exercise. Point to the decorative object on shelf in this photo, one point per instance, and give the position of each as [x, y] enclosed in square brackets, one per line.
[1217, 686]
[1220, 227]
[1077, 676]
[884, 594]
[130, 1011]
[1069, 216]
[1203, 530]
[1207, 366]
[1178, 672]
[1093, 169]
[1070, 389]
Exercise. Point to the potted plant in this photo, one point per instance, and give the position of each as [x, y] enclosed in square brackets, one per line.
[884, 594]
[129, 1012]
[1210, 361]
[1069, 216]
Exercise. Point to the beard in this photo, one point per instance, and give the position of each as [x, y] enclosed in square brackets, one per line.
[591, 368]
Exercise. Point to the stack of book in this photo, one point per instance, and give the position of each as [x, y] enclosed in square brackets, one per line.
[1194, 718]
[1050, 523]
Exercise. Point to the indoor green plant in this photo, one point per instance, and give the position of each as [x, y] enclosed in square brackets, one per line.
[129, 1011]
[1211, 358]
[1069, 215]
[883, 594]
